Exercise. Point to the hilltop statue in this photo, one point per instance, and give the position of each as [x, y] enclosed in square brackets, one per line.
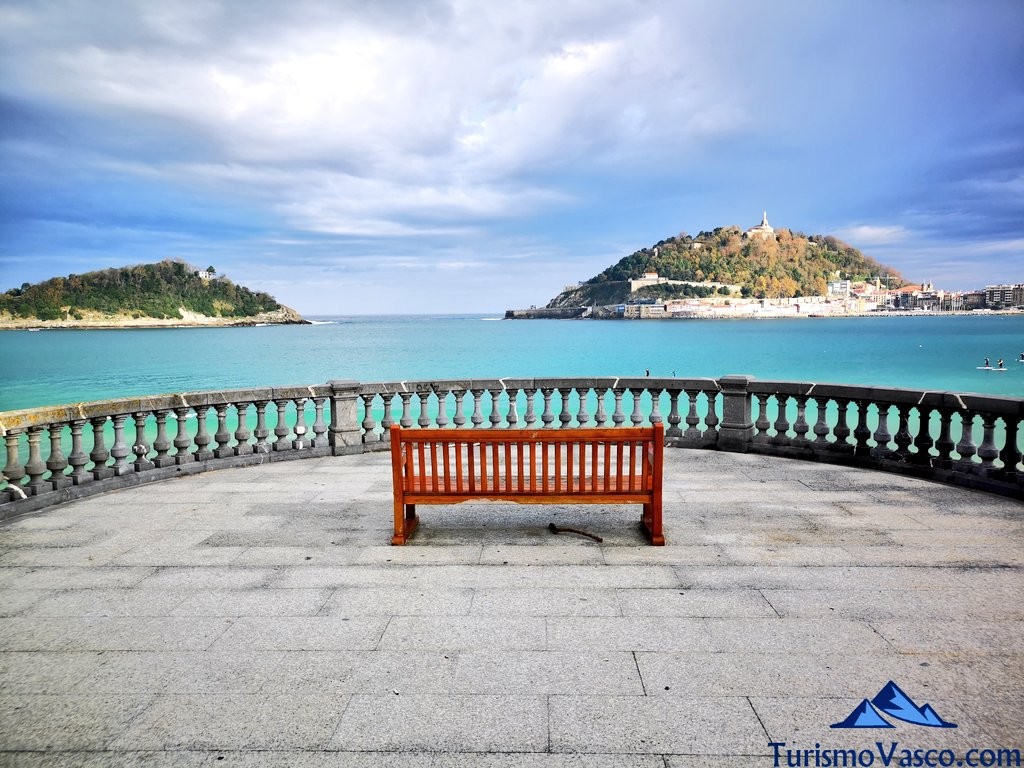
[764, 230]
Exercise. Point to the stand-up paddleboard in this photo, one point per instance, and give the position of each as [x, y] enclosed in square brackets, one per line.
[997, 370]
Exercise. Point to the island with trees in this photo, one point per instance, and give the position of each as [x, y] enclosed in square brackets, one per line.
[720, 272]
[168, 293]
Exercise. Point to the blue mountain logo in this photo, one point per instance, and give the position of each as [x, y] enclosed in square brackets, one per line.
[895, 703]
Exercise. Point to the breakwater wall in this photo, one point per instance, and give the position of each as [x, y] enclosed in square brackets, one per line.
[55, 454]
[547, 313]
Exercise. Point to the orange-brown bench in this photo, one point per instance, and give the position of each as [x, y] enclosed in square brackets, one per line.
[622, 465]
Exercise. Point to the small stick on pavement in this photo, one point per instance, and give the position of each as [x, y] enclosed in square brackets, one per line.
[555, 529]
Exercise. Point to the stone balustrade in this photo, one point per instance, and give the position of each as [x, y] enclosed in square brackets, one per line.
[59, 453]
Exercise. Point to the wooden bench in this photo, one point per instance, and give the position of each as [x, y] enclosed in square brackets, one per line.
[622, 465]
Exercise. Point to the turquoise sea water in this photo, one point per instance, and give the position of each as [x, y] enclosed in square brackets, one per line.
[930, 352]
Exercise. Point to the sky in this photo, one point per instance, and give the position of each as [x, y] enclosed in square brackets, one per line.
[436, 156]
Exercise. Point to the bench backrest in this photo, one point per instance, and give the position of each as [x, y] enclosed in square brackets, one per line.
[606, 461]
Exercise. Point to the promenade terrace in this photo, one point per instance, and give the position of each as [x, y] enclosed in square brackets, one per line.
[256, 615]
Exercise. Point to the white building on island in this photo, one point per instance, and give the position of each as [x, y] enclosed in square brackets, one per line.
[764, 230]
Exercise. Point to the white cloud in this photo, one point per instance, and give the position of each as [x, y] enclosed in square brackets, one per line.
[447, 124]
[866, 235]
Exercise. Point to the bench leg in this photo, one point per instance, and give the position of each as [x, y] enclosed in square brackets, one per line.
[405, 522]
[651, 522]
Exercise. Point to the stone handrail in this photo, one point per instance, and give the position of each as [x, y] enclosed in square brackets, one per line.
[59, 453]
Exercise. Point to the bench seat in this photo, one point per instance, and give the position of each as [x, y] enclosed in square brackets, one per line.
[569, 466]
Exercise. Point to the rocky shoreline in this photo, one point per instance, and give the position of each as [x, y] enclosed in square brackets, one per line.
[98, 320]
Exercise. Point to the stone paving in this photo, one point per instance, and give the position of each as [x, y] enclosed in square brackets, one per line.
[258, 617]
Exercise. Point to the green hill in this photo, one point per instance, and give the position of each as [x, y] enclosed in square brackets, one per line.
[786, 265]
[160, 291]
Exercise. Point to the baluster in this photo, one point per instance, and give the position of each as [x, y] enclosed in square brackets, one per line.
[564, 416]
[600, 417]
[944, 445]
[162, 444]
[842, 429]
[369, 424]
[300, 443]
[692, 433]
[583, 415]
[512, 418]
[903, 437]
[182, 442]
[478, 417]
[424, 418]
[923, 442]
[656, 405]
[141, 446]
[281, 430]
[781, 425]
[674, 418]
[203, 439]
[13, 470]
[388, 419]
[406, 420]
[618, 416]
[637, 416]
[262, 432]
[882, 436]
[547, 417]
[99, 453]
[319, 423]
[800, 426]
[222, 437]
[762, 424]
[820, 423]
[1010, 456]
[119, 451]
[442, 408]
[78, 458]
[56, 462]
[531, 415]
[34, 467]
[987, 451]
[861, 432]
[242, 434]
[459, 418]
[966, 447]
[711, 419]
[495, 417]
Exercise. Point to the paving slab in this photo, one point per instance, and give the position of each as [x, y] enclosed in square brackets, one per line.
[234, 721]
[660, 725]
[452, 723]
[258, 617]
[548, 673]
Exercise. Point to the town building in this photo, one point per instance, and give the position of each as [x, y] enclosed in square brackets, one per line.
[840, 288]
[1004, 296]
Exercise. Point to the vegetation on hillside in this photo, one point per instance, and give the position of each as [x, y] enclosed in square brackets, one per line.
[791, 265]
[147, 290]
